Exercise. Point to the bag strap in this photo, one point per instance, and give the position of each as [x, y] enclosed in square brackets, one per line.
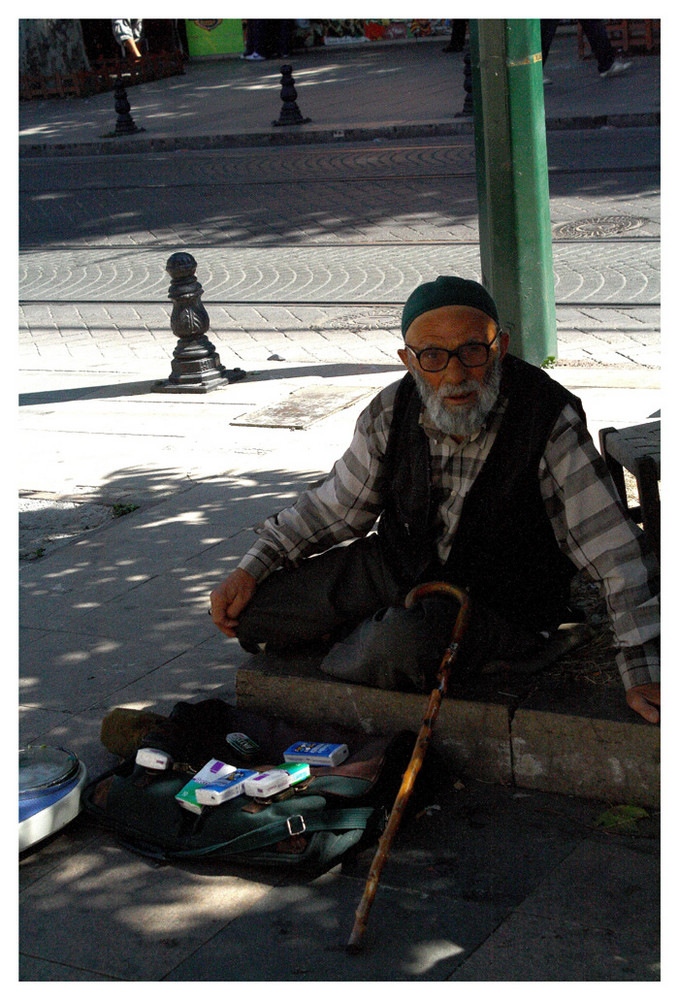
[327, 819]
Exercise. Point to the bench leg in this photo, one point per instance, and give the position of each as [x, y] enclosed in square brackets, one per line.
[649, 499]
[614, 467]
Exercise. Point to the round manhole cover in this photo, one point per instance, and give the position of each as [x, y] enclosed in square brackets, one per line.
[606, 225]
[364, 319]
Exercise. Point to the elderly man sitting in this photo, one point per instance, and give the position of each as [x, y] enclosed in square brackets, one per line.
[477, 469]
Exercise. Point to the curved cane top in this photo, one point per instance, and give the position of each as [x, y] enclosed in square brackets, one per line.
[449, 590]
[437, 587]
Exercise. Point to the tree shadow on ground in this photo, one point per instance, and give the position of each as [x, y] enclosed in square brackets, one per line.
[343, 203]
[229, 921]
[142, 388]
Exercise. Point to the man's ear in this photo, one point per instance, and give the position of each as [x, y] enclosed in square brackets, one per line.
[403, 355]
[504, 343]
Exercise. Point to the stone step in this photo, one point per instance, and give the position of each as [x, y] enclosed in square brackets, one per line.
[600, 752]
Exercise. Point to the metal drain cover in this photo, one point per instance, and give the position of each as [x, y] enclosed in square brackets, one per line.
[605, 225]
[304, 407]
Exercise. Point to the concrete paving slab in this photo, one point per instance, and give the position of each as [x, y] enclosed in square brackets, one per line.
[127, 918]
[544, 949]
[71, 672]
[304, 406]
[36, 864]
[36, 722]
[598, 893]
[477, 841]
[298, 933]
[67, 589]
[78, 731]
[37, 970]
[603, 884]
[347, 92]
[206, 670]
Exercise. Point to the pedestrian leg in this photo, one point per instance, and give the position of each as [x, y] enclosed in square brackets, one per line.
[600, 43]
[548, 28]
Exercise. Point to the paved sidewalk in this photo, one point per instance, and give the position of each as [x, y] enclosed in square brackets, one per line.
[411, 89]
[157, 497]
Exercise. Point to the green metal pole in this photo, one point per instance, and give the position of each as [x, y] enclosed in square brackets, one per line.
[512, 181]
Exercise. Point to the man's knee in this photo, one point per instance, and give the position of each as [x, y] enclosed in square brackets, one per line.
[398, 648]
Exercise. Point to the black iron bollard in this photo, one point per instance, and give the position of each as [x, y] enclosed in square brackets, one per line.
[196, 366]
[468, 106]
[290, 113]
[125, 122]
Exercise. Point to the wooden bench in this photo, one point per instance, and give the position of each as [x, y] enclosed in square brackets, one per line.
[636, 449]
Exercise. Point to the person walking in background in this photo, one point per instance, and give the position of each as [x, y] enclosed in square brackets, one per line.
[256, 44]
[127, 33]
[595, 32]
[458, 33]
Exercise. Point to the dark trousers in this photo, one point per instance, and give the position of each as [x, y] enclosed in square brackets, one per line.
[458, 33]
[595, 33]
[269, 37]
[350, 594]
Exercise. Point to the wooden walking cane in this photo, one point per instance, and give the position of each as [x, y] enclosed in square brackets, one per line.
[421, 744]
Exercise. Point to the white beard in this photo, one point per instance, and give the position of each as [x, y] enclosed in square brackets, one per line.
[463, 421]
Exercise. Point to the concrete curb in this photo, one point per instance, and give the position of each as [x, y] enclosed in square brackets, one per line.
[595, 758]
[291, 135]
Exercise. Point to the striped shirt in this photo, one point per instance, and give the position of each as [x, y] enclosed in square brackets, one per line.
[580, 500]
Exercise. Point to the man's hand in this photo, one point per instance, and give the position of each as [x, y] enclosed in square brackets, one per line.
[643, 698]
[229, 598]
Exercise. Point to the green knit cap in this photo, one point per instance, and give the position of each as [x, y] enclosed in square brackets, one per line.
[447, 291]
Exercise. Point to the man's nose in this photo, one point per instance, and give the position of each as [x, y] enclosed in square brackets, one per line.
[455, 372]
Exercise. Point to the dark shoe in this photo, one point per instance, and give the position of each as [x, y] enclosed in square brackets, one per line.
[250, 646]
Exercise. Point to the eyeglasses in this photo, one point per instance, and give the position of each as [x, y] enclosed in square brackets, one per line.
[435, 359]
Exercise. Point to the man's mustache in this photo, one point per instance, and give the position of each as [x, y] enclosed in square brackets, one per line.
[452, 392]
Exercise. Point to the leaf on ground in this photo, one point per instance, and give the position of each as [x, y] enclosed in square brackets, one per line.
[620, 816]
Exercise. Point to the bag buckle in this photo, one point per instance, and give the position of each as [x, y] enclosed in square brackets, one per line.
[295, 825]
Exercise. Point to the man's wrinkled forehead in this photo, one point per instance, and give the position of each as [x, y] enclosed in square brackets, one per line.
[447, 291]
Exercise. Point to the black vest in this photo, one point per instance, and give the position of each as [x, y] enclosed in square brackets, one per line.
[504, 550]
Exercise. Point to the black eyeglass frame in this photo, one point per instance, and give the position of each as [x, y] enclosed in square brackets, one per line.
[454, 354]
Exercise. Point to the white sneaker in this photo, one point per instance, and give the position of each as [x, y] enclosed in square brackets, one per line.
[255, 55]
[616, 69]
[546, 81]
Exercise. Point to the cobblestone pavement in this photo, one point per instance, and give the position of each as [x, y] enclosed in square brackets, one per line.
[120, 335]
[416, 193]
[626, 273]
[307, 253]
[576, 150]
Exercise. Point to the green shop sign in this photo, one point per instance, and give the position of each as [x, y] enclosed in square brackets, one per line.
[214, 37]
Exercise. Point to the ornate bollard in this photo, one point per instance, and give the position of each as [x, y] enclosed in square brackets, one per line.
[468, 106]
[196, 366]
[125, 124]
[290, 113]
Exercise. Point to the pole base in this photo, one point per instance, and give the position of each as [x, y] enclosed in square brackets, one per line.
[129, 131]
[225, 377]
